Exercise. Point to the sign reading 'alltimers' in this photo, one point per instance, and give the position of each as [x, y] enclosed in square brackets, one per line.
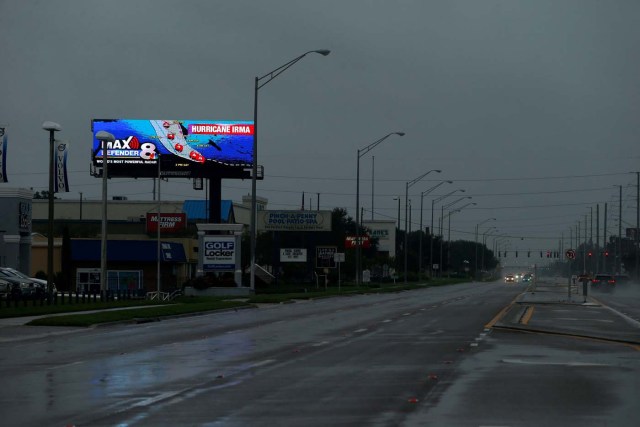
[294, 220]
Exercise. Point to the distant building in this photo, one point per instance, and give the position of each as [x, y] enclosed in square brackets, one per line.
[15, 227]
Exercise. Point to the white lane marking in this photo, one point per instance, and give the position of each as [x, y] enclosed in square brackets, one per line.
[262, 363]
[407, 314]
[320, 344]
[161, 396]
[532, 362]
[386, 321]
[473, 344]
[575, 319]
[235, 331]
[357, 331]
[66, 365]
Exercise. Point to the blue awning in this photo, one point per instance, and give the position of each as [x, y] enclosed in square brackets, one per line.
[199, 209]
[127, 250]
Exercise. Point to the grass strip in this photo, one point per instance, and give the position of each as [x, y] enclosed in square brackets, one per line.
[37, 310]
[140, 314]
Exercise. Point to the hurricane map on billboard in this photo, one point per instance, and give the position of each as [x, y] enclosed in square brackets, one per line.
[187, 148]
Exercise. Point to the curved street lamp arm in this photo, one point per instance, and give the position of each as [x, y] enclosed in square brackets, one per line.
[410, 183]
[373, 145]
[281, 69]
[462, 207]
[447, 195]
[453, 203]
[424, 193]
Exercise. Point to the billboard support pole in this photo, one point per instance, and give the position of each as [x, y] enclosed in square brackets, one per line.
[159, 222]
[104, 138]
[215, 199]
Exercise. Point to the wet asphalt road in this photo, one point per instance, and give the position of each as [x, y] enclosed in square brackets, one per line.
[412, 358]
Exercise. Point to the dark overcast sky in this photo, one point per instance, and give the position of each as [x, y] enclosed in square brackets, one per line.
[532, 107]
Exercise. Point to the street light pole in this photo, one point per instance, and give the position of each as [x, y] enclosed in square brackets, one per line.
[52, 128]
[424, 193]
[484, 243]
[259, 83]
[619, 254]
[442, 216]
[433, 202]
[362, 152]
[450, 214]
[104, 138]
[406, 235]
[476, 247]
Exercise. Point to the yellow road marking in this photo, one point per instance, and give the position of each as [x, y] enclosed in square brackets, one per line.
[527, 315]
[501, 313]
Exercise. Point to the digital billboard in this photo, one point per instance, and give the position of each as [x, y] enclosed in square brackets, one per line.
[187, 148]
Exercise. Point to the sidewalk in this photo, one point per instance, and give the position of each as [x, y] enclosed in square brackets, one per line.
[13, 328]
[547, 308]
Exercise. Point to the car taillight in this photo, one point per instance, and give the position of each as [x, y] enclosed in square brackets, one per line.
[612, 281]
[595, 281]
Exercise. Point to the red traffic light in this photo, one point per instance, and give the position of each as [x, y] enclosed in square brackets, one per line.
[589, 254]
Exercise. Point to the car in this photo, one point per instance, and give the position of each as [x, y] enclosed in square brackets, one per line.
[29, 288]
[603, 282]
[526, 278]
[39, 286]
[9, 290]
[509, 278]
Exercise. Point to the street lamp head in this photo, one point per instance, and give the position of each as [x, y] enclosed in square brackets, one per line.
[51, 126]
[399, 133]
[105, 136]
[323, 52]
[449, 182]
[437, 170]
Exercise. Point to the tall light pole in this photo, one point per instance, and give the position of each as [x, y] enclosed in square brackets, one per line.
[484, 242]
[476, 254]
[443, 207]
[362, 152]
[406, 235]
[52, 128]
[424, 193]
[433, 202]
[259, 83]
[104, 138]
[450, 214]
[619, 251]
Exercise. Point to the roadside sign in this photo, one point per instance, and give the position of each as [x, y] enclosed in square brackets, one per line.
[436, 266]
[339, 257]
[293, 255]
[570, 253]
[325, 256]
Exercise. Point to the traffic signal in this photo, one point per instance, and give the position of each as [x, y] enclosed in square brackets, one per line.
[589, 254]
[606, 253]
[548, 254]
[540, 254]
[516, 254]
[529, 254]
